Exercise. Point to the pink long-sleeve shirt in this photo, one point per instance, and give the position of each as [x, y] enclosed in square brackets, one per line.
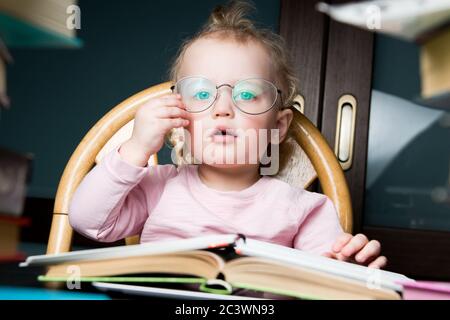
[117, 199]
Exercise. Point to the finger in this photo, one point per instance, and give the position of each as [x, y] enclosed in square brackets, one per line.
[175, 123]
[369, 252]
[354, 245]
[172, 101]
[379, 263]
[335, 256]
[171, 95]
[171, 112]
[330, 255]
[341, 241]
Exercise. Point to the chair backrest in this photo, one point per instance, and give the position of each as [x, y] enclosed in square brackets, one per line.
[312, 158]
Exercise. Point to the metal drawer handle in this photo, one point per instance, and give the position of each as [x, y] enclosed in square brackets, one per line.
[345, 130]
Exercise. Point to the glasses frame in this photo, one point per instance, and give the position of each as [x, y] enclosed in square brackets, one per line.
[278, 91]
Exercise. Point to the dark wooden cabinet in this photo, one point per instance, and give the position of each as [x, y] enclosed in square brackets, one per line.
[334, 60]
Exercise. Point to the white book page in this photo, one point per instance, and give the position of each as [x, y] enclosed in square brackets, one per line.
[151, 248]
[372, 277]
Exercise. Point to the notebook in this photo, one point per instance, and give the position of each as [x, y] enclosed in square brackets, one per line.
[233, 260]
[165, 292]
[426, 290]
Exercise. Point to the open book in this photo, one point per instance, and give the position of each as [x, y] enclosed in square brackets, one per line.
[231, 260]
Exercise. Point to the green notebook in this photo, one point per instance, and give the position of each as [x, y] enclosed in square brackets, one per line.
[222, 263]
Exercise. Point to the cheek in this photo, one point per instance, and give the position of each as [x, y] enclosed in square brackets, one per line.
[260, 124]
[265, 126]
[191, 118]
[192, 122]
[261, 121]
[195, 128]
[257, 131]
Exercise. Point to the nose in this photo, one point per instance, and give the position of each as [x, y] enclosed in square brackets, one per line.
[223, 106]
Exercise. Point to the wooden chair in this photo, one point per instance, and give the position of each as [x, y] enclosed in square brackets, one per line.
[312, 158]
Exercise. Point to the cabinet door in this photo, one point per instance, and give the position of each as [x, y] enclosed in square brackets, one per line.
[304, 30]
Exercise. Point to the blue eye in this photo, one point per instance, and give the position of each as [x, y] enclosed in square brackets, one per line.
[245, 95]
[202, 95]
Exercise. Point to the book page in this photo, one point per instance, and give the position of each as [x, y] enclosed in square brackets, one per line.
[386, 279]
[151, 248]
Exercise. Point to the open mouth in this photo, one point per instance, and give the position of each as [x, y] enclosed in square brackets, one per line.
[224, 132]
[223, 135]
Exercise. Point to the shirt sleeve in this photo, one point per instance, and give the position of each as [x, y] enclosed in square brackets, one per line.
[320, 226]
[113, 200]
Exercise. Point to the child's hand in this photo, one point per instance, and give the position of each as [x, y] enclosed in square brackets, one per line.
[152, 121]
[357, 249]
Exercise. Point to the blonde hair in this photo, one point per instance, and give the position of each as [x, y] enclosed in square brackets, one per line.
[230, 22]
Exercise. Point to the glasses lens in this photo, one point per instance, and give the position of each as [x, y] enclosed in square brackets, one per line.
[254, 95]
[196, 93]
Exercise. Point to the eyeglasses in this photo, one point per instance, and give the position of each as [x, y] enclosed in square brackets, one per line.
[251, 96]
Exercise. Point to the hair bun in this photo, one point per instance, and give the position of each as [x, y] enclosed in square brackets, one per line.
[231, 16]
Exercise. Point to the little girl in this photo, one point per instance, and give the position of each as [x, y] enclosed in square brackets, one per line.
[232, 84]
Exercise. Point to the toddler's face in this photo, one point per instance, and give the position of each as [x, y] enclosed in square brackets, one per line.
[227, 62]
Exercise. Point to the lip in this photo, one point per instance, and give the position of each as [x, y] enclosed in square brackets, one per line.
[223, 139]
[230, 136]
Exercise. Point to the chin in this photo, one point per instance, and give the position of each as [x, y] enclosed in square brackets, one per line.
[222, 157]
[227, 166]
[212, 162]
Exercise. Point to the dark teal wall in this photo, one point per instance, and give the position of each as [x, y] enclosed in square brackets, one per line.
[396, 67]
[58, 94]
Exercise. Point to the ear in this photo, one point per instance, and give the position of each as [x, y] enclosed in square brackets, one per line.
[284, 119]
